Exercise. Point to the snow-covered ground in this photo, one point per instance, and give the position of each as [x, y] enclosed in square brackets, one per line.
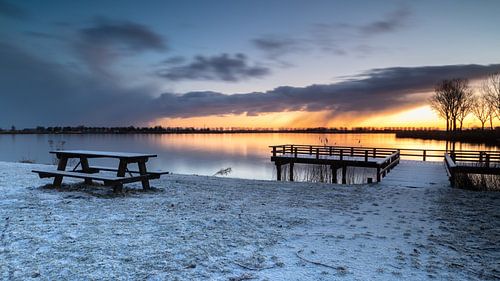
[412, 226]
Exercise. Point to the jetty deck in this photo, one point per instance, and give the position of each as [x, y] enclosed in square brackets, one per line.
[456, 162]
[337, 157]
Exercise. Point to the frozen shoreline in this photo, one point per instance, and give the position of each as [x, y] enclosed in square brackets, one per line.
[198, 227]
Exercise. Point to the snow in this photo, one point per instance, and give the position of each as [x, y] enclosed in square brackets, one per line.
[410, 226]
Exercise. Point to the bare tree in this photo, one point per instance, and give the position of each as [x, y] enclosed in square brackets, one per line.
[482, 109]
[451, 101]
[464, 107]
[491, 89]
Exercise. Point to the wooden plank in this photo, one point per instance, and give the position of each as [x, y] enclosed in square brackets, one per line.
[143, 172]
[61, 166]
[86, 169]
[100, 177]
[94, 153]
[111, 169]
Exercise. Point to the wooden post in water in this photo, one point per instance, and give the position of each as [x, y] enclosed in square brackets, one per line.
[278, 171]
[334, 173]
[291, 171]
[344, 174]
[378, 174]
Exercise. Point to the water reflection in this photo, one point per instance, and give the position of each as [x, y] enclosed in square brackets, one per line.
[204, 154]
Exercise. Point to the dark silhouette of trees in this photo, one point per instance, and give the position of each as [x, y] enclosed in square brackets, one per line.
[482, 109]
[491, 90]
[452, 100]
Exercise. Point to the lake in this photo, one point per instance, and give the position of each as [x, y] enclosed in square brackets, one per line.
[248, 155]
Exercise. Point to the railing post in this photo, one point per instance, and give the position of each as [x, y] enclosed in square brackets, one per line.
[310, 149]
[341, 154]
[366, 155]
[425, 154]
[291, 149]
[317, 153]
[331, 150]
[274, 151]
[374, 153]
[480, 157]
[295, 152]
[352, 151]
[487, 160]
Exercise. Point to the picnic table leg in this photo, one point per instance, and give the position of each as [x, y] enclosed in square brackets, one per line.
[85, 168]
[61, 166]
[122, 167]
[143, 172]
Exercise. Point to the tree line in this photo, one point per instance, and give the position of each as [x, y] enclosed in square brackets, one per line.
[455, 99]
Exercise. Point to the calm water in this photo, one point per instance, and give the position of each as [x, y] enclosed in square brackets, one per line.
[247, 154]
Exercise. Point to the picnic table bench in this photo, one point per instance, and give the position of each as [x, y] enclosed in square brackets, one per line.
[90, 173]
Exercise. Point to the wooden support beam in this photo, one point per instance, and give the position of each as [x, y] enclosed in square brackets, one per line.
[278, 171]
[344, 174]
[291, 171]
[334, 173]
[378, 174]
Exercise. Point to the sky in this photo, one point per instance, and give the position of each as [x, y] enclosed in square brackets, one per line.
[238, 63]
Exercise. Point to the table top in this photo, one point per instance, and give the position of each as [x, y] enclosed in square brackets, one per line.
[110, 154]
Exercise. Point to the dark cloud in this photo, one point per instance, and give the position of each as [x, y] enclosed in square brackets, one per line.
[12, 11]
[393, 21]
[35, 92]
[371, 92]
[277, 46]
[223, 67]
[125, 35]
[99, 44]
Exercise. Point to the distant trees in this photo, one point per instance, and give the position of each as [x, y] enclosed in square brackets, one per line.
[481, 109]
[452, 100]
[491, 90]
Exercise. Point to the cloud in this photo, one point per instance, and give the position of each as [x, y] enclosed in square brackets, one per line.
[223, 67]
[338, 38]
[393, 21]
[126, 35]
[36, 92]
[99, 44]
[277, 46]
[13, 11]
[371, 92]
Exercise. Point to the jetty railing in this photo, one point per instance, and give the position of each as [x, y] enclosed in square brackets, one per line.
[338, 157]
[405, 153]
[471, 162]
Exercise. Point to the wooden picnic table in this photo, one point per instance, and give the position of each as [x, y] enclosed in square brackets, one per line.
[89, 173]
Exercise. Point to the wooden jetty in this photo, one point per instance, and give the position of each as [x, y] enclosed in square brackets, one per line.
[471, 162]
[337, 157]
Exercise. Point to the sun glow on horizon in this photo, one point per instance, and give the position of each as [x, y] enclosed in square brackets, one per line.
[421, 116]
